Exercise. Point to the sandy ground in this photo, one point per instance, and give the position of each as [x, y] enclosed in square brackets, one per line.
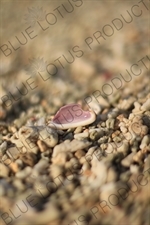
[93, 53]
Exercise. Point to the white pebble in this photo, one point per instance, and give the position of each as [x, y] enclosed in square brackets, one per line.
[146, 105]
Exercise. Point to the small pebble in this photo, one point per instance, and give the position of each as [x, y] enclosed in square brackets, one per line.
[49, 136]
[145, 141]
[78, 130]
[41, 166]
[24, 173]
[81, 136]
[17, 183]
[110, 123]
[29, 159]
[79, 153]
[111, 175]
[146, 105]
[61, 158]
[72, 146]
[4, 170]
[127, 161]
[124, 147]
[3, 148]
[13, 153]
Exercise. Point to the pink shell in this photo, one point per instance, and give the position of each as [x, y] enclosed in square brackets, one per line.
[70, 116]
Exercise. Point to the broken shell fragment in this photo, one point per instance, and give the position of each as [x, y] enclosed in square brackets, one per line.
[71, 116]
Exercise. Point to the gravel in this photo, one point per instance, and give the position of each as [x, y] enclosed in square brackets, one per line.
[93, 174]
